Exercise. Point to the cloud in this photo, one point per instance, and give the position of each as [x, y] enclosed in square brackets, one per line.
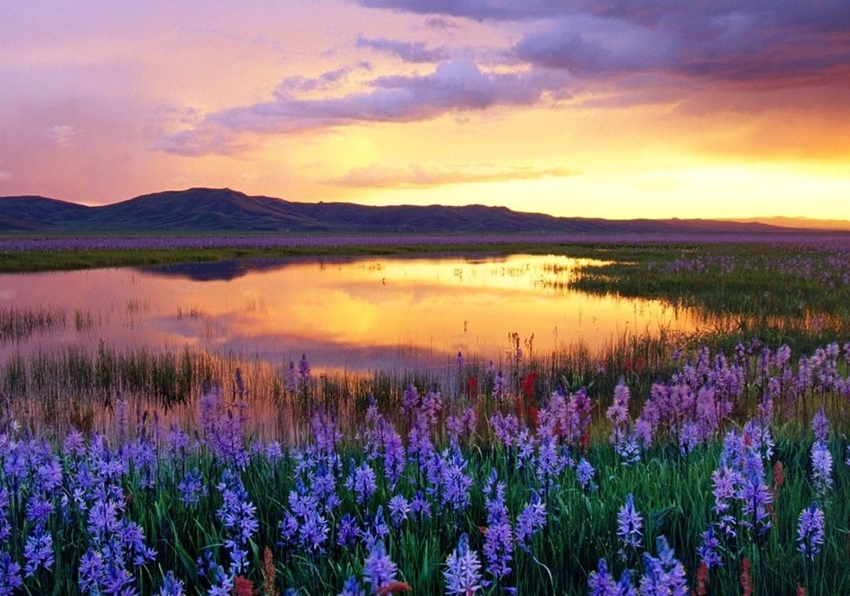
[767, 43]
[61, 134]
[407, 51]
[763, 49]
[324, 82]
[455, 86]
[377, 176]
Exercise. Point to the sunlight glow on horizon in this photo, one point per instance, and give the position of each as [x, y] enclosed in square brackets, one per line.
[539, 108]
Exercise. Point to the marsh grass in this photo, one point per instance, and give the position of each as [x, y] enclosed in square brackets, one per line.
[93, 391]
[17, 324]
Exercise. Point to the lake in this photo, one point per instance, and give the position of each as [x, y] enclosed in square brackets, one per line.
[353, 314]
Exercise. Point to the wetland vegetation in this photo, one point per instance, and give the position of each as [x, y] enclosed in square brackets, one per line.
[706, 462]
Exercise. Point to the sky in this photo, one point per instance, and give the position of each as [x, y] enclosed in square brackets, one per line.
[584, 108]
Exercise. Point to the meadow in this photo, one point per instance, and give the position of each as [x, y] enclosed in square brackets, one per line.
[712, 463]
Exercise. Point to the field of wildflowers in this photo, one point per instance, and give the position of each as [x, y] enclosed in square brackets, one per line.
[704, 465]
[727, 477]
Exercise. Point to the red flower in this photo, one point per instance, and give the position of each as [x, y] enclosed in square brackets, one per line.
[393, 587]
[746, 579]
[702, 579]
[242, 586]
[472, 387]
[527, 386]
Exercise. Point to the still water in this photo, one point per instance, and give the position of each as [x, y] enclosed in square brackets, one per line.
[344, 314]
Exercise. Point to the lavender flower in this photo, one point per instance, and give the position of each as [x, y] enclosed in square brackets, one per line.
[379, 570]
[171, 586]
[820, 425]
[304, 373]
[192, 488]
[498, 542]
[347, 531]
[38, 551]
[238, 516]
[500, 387]
[304, 525]
[352, 587]
[531, 518]
[618, 411]
[821, 468]
[399, 509]
[584, 475]
[663, 575]
[10, 575]
[462, 571]
[810, 532]
[630, 525]
[362, 482]
[707, 551]
[601, 582]
[420, 506]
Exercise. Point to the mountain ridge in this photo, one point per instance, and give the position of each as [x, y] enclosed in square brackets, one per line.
[226, 210]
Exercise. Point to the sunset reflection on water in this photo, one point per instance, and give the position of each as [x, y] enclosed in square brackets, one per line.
[352, 314]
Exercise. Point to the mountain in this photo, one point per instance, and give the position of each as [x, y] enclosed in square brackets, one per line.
[802, 223]
[205, 210]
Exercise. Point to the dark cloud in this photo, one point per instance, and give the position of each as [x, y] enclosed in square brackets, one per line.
[408, 51]
[454, 86]
[764, 42]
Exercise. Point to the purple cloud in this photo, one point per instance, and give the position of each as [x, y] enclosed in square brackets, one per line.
[454, 86]
[766, 42]
[762, 48]
[407, 51]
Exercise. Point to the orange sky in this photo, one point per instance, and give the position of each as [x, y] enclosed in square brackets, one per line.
[571, 107]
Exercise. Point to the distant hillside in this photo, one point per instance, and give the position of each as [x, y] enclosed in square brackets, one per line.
[223, 210]
[802, 223]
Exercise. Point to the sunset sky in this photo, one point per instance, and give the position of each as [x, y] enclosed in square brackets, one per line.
[592, 108]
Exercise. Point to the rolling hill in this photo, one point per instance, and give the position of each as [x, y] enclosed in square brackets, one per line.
[204, 210]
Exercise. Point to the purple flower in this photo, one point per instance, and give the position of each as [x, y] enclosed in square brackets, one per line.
[10, 575]
[630, 525]
[498, 542]
[378, 569]
[347, 531]
[192, 488]
[171, 586]
[708, 549]
[420, 506]
[810, 532]
[462, 573]
[663, 575]
[531, 518]
[584, 475]
[352, 587]
[304, 525]
[38, 551]
[304, 372]
[410, 398]
[239, 518]
[500, 387]
[821, 468]
[820, 425]
[601, 582]
[506, 428]
[362, 482]
[618, 411]
[399, 509]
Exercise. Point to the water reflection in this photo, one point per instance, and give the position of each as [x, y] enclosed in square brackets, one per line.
[354, 314]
